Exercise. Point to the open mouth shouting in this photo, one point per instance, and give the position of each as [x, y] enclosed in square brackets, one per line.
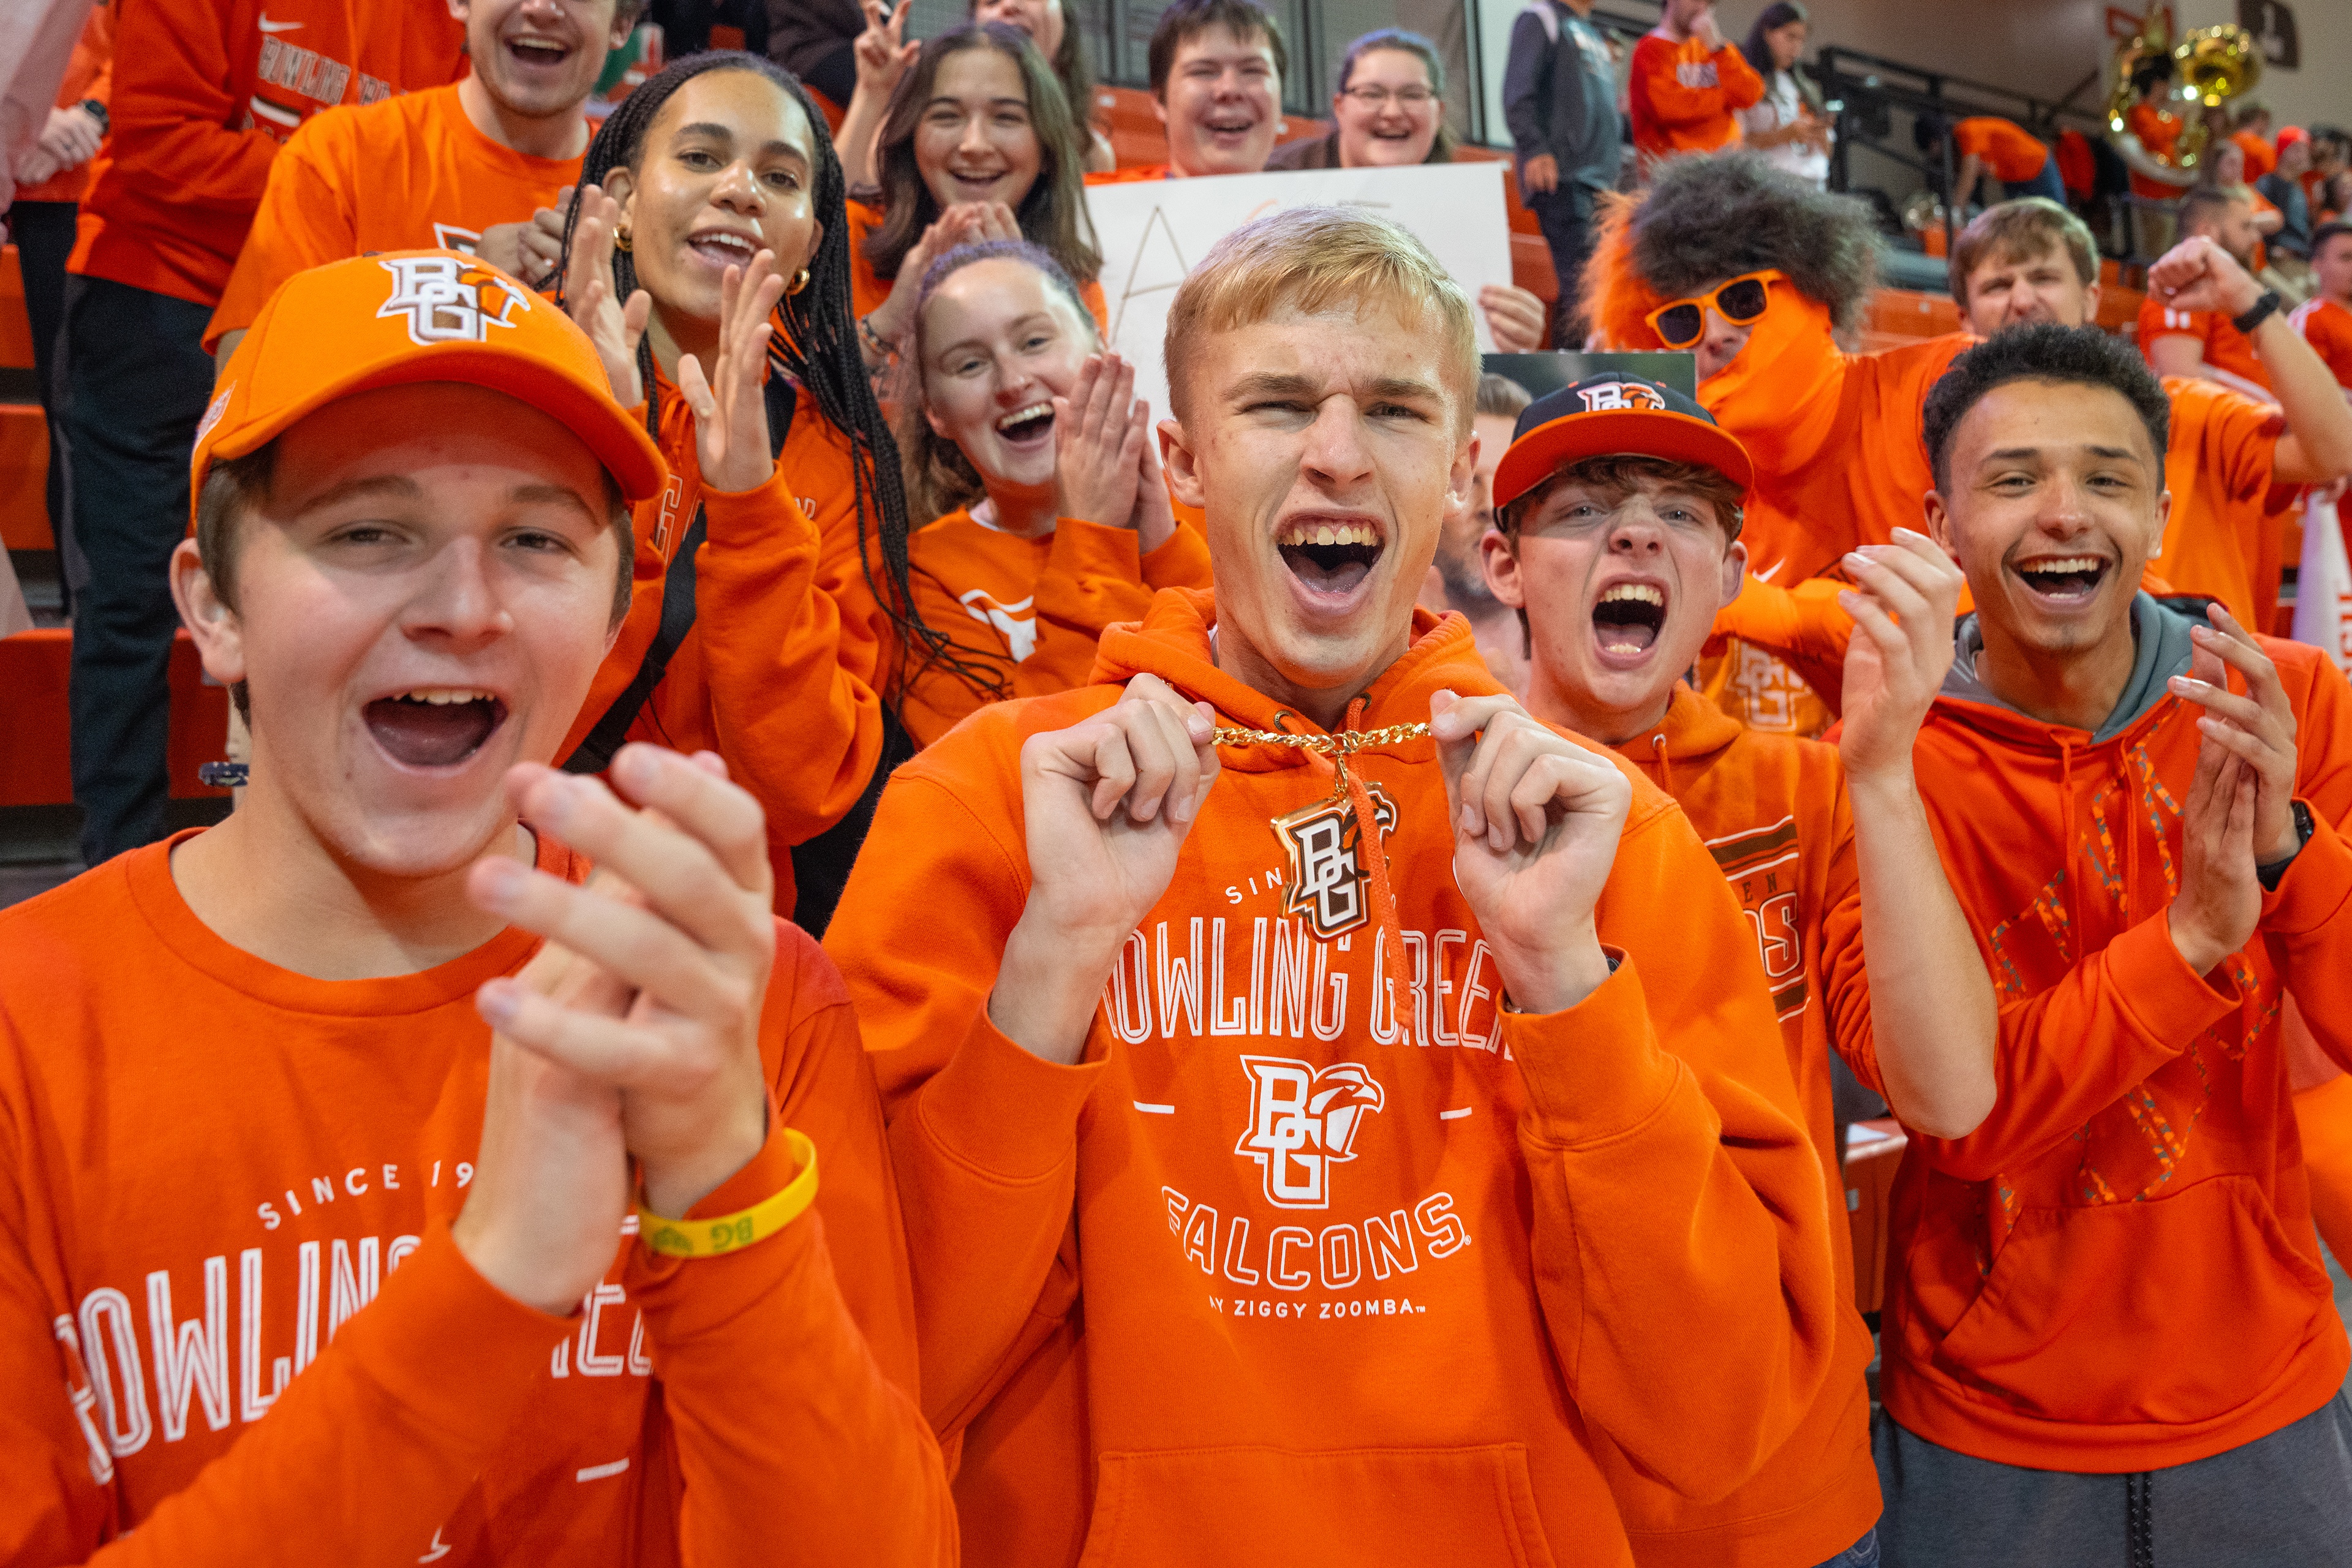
[724, 247]
[435, 726]
[1330, 558]
[2063, 582]
[978, 185]
[1626, 621]
[537, 52]
[1029, 428]
[1229, 127]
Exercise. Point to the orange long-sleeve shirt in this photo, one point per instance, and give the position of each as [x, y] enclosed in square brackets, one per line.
[2224, 538]
[2261, 157]
[2326, 326]
[204, 94]
[1683, 96]
[234, 1328]
[2007, 152]
[90, 75]
[2117, 1271]
[1774, 816]
[2225, 347]
[411, 173]
[759, 678]
[1281, 1273]
[2159, 130]
[1028, 612]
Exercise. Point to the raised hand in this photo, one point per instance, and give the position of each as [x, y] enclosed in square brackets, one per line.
[1099, 432]
[2257, 727]
[730, 412]
[2199, 275]
[2220, 897]
[881, 52]
[635, 1030]
[1514, 318]
[1536, 821]
[1902, 602]
[891, 318]
[614, 326]
[1107, 804]
[989, 220]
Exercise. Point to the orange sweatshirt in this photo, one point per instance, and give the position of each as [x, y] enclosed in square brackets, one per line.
[90, 74]
[1683, 96]
[1774, 813]
[409, 173]
[759, 678]
[2159, 130]
[1172, 1300]
[1030, 611]
[235, 1329]
[2225, 347]
[204, 95]
[2224, 539]
[868, 288]
[2007, 151]
[2117, 1271]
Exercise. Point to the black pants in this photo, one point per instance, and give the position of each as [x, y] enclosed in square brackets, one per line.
[44, 233]
[136, 381]
[1566, 215]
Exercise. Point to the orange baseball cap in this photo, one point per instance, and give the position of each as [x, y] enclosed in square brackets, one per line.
[408, 316]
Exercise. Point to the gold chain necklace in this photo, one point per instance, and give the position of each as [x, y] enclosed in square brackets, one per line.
[1339, 747]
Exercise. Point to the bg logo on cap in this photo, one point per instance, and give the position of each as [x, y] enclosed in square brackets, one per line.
[450, 300]
[1617, 394]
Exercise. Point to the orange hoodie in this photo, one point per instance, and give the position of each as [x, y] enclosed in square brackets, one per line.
[1682, 96]
[1172, 1300]
[1774, 813]
[759, 678]
[408, 174]
[2117, 1271]
[1040, 605]
[203, 94]
[234, 1328]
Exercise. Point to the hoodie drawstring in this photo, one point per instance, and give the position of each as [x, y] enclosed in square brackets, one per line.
[1388, 931]
[1665, 768]
[2069, 851]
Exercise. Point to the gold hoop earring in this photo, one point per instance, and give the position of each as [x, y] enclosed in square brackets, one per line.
[800, 281]
[621, 241]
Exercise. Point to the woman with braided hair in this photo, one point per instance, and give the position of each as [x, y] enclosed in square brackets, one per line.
[706, 254]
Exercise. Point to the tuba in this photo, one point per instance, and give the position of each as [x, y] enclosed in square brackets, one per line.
[2216, 64]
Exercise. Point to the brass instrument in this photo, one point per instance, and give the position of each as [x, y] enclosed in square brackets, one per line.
[2216, 64]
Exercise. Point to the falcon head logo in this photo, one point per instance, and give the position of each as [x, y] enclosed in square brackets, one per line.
[1304, 1121]
[1619, 394]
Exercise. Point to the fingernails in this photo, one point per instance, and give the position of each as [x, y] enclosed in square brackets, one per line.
[498, 1002]
[500, 880]
[1856, 558]
[1907, 533]
[635, 766]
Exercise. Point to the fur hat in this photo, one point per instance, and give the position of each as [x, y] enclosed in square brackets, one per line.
[1708, 218]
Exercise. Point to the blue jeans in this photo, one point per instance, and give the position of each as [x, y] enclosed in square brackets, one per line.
[1862, 1553]
[2044, 183]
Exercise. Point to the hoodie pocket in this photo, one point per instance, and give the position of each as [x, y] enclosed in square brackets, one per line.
[1474, 1507]
[2170, 1313]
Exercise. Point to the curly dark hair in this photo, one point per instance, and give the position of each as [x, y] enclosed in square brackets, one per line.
[2076, 356]
[1706, 219]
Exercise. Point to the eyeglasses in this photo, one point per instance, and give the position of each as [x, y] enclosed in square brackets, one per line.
[1377, 98]
[1740, 301]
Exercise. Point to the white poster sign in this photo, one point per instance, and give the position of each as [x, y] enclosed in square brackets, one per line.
[2323, 588]
[1154, 232]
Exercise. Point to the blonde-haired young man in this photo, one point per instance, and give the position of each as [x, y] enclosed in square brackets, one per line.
[1332, 1110]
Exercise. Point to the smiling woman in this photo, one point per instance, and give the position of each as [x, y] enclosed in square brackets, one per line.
[1026, 446]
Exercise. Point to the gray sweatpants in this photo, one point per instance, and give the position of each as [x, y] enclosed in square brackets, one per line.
[2282, 1499]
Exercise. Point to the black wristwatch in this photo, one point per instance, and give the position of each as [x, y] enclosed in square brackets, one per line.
[2258, 312]
[96, 111]
[2272, 874]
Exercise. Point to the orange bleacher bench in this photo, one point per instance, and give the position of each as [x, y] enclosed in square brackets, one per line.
[36, 738]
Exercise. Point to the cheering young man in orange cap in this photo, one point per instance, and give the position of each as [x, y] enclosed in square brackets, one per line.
[480, 164]
[1332, 1110]
[343, 1220]
[1620, 508]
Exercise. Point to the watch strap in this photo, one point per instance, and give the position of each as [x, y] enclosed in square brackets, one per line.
[2258, 312]
[2270, 876]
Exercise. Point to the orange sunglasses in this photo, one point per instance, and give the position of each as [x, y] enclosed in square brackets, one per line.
[1683, 322]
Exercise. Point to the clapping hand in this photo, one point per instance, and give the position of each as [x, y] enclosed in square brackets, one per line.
[612, 326]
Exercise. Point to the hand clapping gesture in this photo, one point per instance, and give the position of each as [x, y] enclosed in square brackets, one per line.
[1535, 822]
[2240, 813]
[633, 1033]
[730, 411]
[1902, 602]
[1101, 431]
[1108, 804]
[614, 326]
[966, 223]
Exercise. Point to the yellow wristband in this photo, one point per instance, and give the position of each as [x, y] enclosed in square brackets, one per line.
[734, 1232]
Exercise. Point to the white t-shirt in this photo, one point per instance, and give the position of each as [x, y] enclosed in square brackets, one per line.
[1780, 105]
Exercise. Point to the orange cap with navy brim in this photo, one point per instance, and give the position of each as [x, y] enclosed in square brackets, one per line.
[1611, 414]
[408, 316]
